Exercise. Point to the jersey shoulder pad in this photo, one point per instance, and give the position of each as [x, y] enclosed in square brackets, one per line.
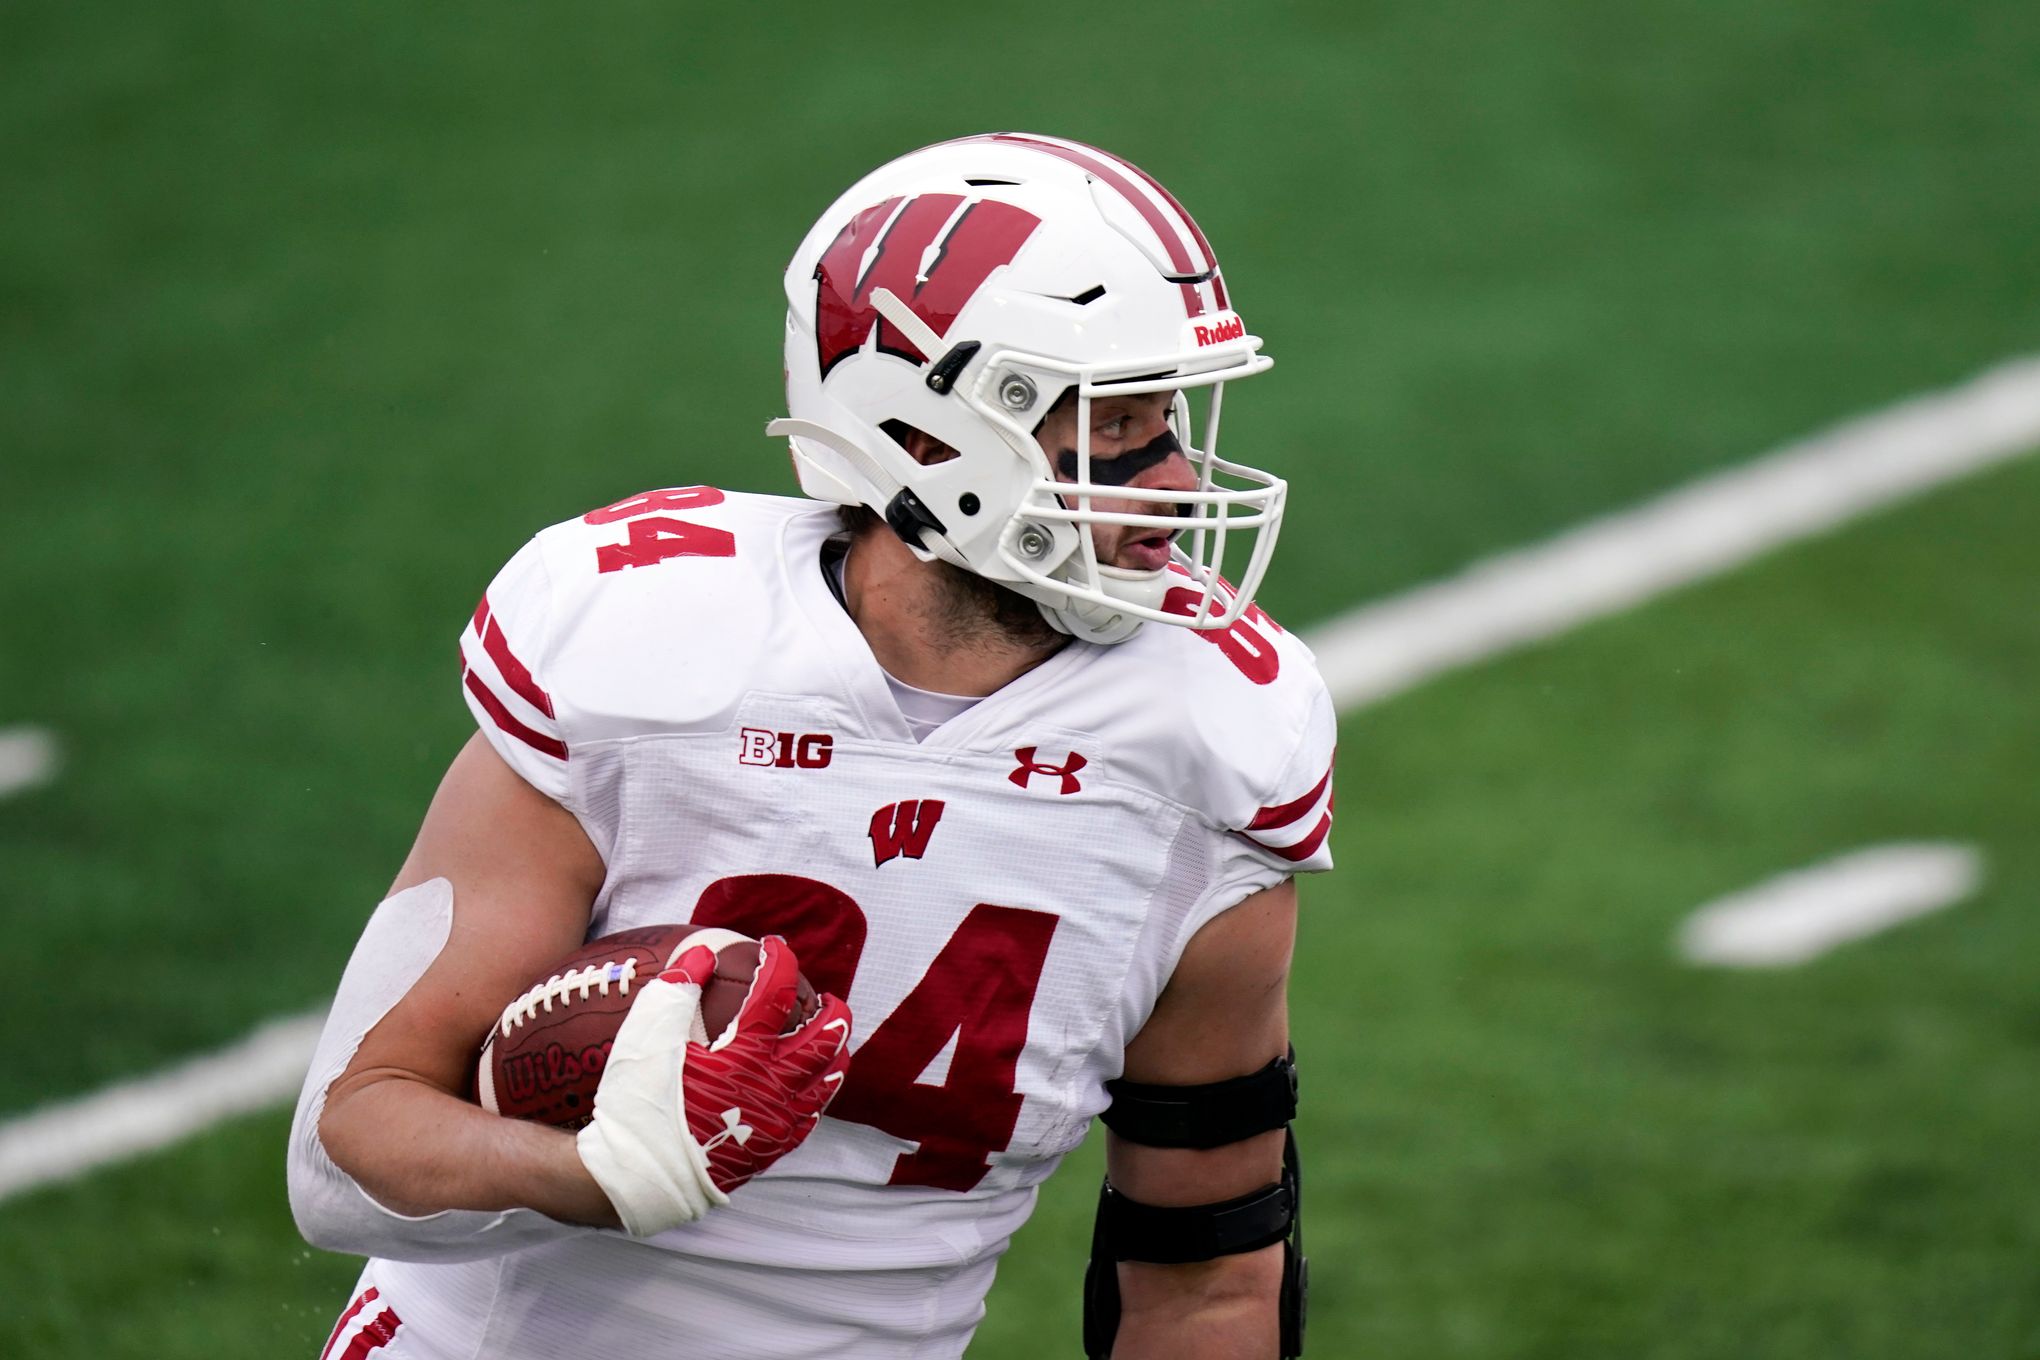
[636, 617]
[504, 642]
[1263, 735]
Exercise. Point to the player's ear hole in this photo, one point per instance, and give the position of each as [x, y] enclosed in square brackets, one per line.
[922, 447]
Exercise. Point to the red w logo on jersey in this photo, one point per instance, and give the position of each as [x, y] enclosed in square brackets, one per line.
[903, 829]
[935, 279]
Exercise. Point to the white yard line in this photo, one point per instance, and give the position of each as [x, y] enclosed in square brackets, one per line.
[1370, 654]
[1800, 916]
[29, 758]
[1696, 531]
[129, 1118]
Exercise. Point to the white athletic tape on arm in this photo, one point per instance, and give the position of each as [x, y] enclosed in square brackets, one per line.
[399, 943]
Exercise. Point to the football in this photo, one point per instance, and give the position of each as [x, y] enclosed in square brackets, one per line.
[543, 1057]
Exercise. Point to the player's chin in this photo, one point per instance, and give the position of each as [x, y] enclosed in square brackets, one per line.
[1142, 554]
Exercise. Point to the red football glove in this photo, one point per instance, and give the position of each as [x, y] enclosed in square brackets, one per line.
[678, 1124]
[755, 1093]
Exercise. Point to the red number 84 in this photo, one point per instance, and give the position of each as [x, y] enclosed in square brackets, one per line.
[979, 988]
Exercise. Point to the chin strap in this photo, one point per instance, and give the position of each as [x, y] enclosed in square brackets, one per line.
[1088, 621]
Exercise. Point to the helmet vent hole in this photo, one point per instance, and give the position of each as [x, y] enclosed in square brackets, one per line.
[1089, 295]
[982, 183]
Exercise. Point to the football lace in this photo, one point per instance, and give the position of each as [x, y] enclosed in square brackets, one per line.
[596, 977]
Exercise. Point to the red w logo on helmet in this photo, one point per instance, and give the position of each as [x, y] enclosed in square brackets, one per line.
[933, 270]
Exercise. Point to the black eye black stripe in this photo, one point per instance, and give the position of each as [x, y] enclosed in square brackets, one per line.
[1124, 468]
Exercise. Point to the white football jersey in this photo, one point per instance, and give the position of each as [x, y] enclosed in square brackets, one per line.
[1000, 904]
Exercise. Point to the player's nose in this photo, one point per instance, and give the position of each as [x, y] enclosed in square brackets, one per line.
[1173, 473]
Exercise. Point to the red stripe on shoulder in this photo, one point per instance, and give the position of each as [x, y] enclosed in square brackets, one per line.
[1269, 818]
[367, 1297]
[513, 670]
[500, 714]
[1304, 848]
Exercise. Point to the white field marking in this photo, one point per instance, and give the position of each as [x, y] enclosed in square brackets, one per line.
[1368, 655]
[1802, 915]
[1699, 530]
[129, 1118]
[29, 758]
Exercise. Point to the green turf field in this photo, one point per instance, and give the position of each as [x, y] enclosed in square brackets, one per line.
[308, 316]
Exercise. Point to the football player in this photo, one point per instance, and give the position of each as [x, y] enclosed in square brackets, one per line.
[979, 729]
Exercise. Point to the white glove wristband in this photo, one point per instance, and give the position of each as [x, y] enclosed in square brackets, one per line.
[638, 1146]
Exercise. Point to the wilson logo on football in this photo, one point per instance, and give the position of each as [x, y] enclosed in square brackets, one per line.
[904, 829]
[533, 1076]
[1065, 773]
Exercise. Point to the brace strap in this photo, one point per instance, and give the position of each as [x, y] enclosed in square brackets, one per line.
[1131, 1231]
[1206, 1116]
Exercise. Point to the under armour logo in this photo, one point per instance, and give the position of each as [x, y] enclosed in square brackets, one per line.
[734, 1130]
[903, 828]
[1030, 767]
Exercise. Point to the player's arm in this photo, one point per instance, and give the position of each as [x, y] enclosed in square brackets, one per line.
[1223, 1016]
[523, 876]
[389, 1158]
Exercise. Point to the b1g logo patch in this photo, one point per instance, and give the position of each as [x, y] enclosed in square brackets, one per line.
[785, 750]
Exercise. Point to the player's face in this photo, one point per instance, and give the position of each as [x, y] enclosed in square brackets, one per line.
[1132, 444]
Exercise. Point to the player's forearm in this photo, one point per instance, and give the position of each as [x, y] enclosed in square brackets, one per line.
[1223, 1309]
[417, 1150]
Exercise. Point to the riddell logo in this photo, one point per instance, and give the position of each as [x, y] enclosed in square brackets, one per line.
[785, 750]
[1222, 332]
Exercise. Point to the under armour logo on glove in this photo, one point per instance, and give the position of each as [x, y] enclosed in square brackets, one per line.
[1030, 767]
[733, 1127]
[756, 1093]
[678, 1125]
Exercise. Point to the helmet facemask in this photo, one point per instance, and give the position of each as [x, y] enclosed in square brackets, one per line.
[1046, 550]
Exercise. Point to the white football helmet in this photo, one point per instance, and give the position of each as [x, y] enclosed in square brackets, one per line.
[962, 290]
